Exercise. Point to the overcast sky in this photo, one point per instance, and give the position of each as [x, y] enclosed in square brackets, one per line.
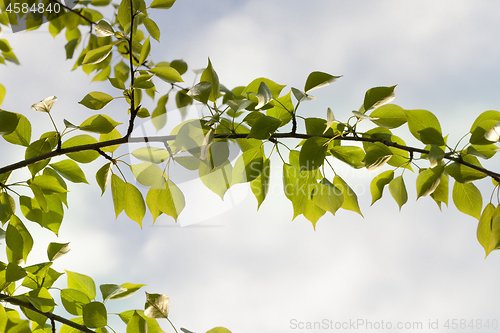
[258, 271]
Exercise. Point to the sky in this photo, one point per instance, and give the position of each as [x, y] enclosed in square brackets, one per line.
[251, 270]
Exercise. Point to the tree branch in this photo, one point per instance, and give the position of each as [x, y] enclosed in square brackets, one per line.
[166, 138]
[50, 315]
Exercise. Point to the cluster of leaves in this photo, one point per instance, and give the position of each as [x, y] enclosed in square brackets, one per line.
[251, 117]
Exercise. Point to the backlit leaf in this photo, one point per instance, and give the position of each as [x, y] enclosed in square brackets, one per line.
[428, 180]
[95, 315]
[376, 97]
[389, 116]
[209, 75]
[99, 123]
[317, 80]
[97, 55]
[350, 197]
[133, 203]
[378, 183]
[57, 250]
[157, 306]
[313, 152]
[82, 283]
[70, 170]
[398, 191]
[468, 199]
[152, 28]
[167, 74]
[96, 100]
[162, 4]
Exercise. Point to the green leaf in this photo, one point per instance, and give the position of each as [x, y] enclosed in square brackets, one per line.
[146, 48]
[48, 184]
[73, 301]
[18, 238]
[50, 218]
[209, 75]
[95, 315]
[117, 191]
[218, 180]
[328, 197]
[152, 28]
[124, 14]
[156, 306]
[201, 92]
[8, 121]
[70, 170]
[2, 93]
[463, 173]
[436, 155]
[468, 199]
[96, 100]
[378, 183]
[264, 128]
[7, 207]
[248, 166]
[377, 154]
[162, 4]
[37, 148]
[103, 29]
[389, 116]
[109, 290]
[488, 229]
[219, 330]
[103, 176]
[180, 65]
[253, 88]
[137, 324]
[428, 180]
[122, 71]
[493, 134]
[85, 156]
[97, 55]
[13, 272]
[22, 134]
[131, 288]
[441, 192]
[282, 110]
[152, 323]
[424, 126]
[317, 80]
[151, 154]
[376, 97]
[351, 155]
[99, 123]
[480, 133]
[485, 116]
[133, 203]
[146, 173]
[398, 191]
[57, 250]
[167, 74]
[350, 197]
[41, 299]
[313, 153]
[81, 282]
[260, 185]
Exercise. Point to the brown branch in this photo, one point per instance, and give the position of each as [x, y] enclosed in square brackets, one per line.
[50, 315]
[166, 138]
